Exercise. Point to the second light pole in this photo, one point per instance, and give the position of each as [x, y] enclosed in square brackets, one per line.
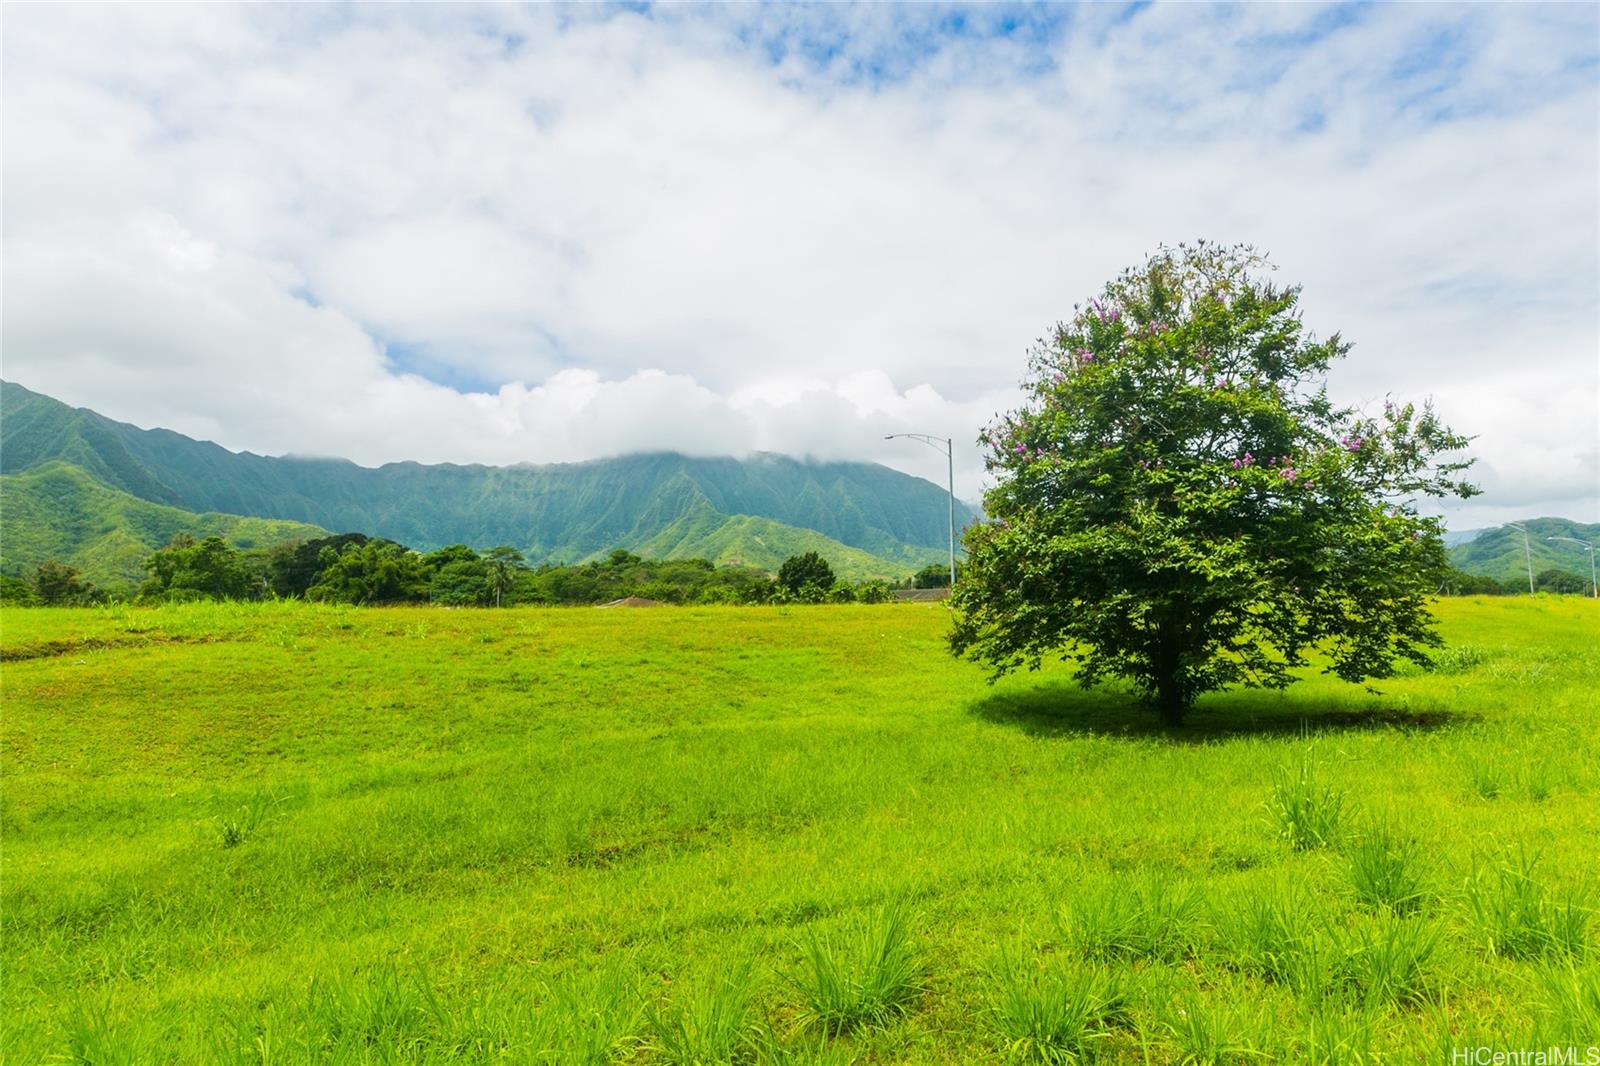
[948, 446]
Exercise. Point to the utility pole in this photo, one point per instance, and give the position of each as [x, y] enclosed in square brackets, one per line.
[1526, 551]
[1594, 586]
[948, 446]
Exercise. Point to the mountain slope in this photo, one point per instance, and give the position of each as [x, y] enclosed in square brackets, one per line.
[58, 511]
[556, 513]
[764, 544]
[1499, 553]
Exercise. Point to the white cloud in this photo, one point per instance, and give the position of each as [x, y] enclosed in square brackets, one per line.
[797, 229]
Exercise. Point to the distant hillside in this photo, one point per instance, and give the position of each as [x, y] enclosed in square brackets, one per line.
[664, 504]
[1452, 537]
[764, 544]
[58, 511]
[1498, 553]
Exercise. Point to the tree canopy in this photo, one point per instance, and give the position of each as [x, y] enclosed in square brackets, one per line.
[806, 576]
[1179, 503]
[190, 568]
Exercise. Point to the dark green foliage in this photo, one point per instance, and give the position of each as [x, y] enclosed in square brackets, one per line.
[1564, 582]
[624, 574]
[753, 512]
[806, 577]
[56, 585]
[501, 567]
[459, 577]
[872, 592]
[1180, 504]
[15, 592]
[293, 568]
[377, 571]
[1460, 583]
[933, 576]
[191, 569]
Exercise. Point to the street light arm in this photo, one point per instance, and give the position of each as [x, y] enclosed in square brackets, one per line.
[940, 443]
[948, 446]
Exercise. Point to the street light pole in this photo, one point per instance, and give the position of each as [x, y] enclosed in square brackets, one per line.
[1594, 586]
[1526, 551]
[948, 446]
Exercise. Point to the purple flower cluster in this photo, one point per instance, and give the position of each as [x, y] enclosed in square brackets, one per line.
[1112, 315]
[1085, 356]
[1243, 461]
[1352, 443]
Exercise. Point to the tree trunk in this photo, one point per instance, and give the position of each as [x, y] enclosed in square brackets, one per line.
[1172, 695]
[1170, 703]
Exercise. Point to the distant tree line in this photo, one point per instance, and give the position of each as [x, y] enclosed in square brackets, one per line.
[1553, 580]
[356, 569]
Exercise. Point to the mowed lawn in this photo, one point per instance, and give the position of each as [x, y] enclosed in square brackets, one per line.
[291, 833]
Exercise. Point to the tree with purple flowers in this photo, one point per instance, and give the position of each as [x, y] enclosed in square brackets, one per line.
[1179, 503]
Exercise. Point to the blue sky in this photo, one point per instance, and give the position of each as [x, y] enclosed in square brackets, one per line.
[546, 233]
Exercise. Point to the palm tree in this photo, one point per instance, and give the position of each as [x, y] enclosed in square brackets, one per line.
[503, 563]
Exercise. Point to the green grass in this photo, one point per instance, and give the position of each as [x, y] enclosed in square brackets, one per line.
[289, 833]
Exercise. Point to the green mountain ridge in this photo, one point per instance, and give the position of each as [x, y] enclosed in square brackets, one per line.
[1499, 552]
[59, 511]
[873, 521]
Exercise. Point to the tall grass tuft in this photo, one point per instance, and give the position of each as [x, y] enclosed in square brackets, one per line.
[1340, 1036]
[240, 825]
[1054, 1014]
[1156, 918]
[1388, 962]
[1267, 935]
[711, 1026]
[866, 978]
[1209, 1034]
[1307, 811]
[376, 1009]
[95, 1038]
[1537, 780]
[591, 1021]
[1487, 779]
[1518, 918]
[1572, 1005]
[1386, 872]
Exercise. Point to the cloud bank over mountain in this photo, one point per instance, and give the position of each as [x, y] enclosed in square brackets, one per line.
[492, 235]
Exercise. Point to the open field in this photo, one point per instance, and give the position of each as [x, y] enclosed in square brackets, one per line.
[288, 833]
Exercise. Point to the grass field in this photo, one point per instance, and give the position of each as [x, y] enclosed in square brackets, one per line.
[288, 833]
